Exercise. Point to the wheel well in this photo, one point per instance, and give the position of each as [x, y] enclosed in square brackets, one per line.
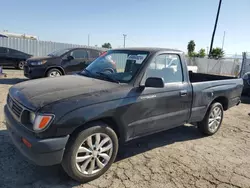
[107, 120]
[59, 68]
[223, 101]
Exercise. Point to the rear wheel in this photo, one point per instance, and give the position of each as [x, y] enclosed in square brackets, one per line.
[89, 154]
[54, 73]
[20, 65]
[212, 120]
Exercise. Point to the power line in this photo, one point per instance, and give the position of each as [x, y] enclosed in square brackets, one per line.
[215, 26]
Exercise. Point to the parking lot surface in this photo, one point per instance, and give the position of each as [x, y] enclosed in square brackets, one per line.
[180, 157]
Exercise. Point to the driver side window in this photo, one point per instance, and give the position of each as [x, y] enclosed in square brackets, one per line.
[166, 66]
[79, 54]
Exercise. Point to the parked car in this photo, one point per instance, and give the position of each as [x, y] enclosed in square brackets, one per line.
[11, 57]
[60, 62]
[246, 81]
[79, 120]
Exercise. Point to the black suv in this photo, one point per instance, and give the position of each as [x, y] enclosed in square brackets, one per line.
[60, 62]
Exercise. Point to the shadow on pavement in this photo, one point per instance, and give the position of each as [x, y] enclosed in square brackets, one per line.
[12, 170]
[141, 145]
[12, 81]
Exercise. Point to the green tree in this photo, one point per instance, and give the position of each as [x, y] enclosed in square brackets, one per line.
[193, 54]
[217, 53]
[191, 47]
[107, 45]
[202, 53]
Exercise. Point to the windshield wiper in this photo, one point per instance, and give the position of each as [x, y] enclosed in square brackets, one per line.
[108, 77]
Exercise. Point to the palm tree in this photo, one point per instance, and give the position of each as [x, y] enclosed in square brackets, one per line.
[191, 47]
[217, 53]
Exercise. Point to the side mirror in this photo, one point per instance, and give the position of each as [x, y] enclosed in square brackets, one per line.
[70, 57]
[154, 82]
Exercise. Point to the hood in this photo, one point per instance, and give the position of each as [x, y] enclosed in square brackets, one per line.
[35, 94]
[41, 58]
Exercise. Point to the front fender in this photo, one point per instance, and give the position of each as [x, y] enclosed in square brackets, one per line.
[81, 116]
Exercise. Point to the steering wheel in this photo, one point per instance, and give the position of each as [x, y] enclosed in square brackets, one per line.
[109, 70]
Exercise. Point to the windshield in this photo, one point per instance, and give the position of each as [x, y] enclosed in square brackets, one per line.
[58, 52]
[118, 65]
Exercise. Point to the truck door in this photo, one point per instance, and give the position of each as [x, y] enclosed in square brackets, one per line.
[163, 108]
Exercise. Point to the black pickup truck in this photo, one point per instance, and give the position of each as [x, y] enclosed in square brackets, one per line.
[78, 120]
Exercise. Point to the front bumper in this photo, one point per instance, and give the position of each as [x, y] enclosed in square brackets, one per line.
[34, 72]
[43, 152]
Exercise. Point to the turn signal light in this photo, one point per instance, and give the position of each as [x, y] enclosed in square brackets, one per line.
[42, 121]
[26, 142]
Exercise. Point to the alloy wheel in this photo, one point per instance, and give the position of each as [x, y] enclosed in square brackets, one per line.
[94, 153]
[215, 119]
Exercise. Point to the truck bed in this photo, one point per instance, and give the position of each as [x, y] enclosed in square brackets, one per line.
[201, 77]
[207, 88]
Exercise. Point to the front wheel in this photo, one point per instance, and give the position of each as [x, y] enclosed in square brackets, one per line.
[90, 154]
[212, 120]
[54, 73]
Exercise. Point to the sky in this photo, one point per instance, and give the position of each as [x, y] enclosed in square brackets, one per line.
[150, 23]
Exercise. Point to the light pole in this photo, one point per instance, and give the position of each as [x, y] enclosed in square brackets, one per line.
[215, 26]
[88, 39]
[223, 40]
[124, 40]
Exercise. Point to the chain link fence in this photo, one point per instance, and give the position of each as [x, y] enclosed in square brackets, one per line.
[225, 66]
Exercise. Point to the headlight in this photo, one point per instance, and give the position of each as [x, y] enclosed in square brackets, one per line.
[32, 117]
[34, 63]
[40, 121]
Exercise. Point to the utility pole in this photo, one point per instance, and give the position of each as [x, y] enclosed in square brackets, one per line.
[88, 39]
[124, 40]
[223, 40]
[215, 26]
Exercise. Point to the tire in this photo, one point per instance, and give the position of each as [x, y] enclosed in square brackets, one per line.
[211, 129]
[54, 73]
[20, 65]
[74, 169]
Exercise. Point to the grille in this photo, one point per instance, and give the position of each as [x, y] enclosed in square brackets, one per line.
[14, 106]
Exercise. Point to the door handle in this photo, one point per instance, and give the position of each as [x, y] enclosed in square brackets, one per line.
[183, 93]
